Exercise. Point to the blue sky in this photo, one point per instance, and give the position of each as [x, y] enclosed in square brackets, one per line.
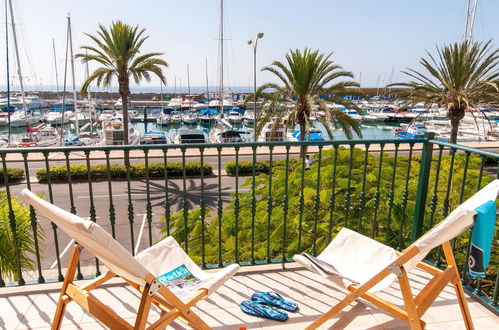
[366, 36]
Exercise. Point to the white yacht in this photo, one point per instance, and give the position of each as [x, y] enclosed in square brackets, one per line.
[40, 136]
[234, 117]
[17, 118]
[189, 117]
[227, 103]
[175, 103]
[32, 102]
[354, 114]
[187, 104]
[114, 133]
[157, 137]
[107, 115]
[55, 117]
[175, 117]
[189, 136]
[272, 131]
[249, 117]
[35, 102]
[83, 118]
[227, 136]
[89, 138]
[163, 119]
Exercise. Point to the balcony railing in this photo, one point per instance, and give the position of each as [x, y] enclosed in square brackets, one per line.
[253, 203]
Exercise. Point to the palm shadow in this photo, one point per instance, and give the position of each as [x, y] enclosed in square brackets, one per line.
[176, 194]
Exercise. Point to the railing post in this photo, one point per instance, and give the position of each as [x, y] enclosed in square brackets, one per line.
[422, 192]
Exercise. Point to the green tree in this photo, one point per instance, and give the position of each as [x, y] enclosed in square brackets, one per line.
[118, 51]
[379, 204]
[23, 236]
[462, 76]
[308, 78]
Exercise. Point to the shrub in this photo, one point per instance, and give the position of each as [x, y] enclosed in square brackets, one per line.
[262, 166]
[137, 171]
[23, 236]
[14, 175]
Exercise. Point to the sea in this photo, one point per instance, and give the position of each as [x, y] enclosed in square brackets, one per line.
[369, 131]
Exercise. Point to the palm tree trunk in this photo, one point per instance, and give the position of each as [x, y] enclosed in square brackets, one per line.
[454, 127]
[123, 83]
[303, 132]
[455, 115]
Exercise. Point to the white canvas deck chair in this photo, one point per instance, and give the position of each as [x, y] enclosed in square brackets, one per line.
[364, 266]
[142, 272]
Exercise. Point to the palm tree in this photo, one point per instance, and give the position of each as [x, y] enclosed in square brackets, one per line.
[118, 51]
[462, 76]
[307, 79]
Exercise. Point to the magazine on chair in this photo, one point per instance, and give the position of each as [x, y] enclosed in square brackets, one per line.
[180, 281]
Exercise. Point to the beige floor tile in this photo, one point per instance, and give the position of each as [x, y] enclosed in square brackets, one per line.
[479, 323]
[282, 283]
[308, 285]
[356, 317]
[314, 294]
[13, 309]
[229, 318]
[231, 294]
[42, 310]
[447, 310]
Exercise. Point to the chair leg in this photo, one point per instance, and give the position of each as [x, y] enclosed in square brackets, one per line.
[414, 319]
[144, 308]
[461, 298]
[463, 304]
[59, 314]
[63, 299]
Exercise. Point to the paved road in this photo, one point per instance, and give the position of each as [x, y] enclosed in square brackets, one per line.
[140, 226]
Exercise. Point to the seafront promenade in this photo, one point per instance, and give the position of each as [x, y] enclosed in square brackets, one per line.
[211, 152]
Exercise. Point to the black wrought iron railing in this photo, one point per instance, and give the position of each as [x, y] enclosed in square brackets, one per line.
[251, 203]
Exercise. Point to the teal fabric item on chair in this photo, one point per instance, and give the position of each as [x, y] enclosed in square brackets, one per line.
[481, 238]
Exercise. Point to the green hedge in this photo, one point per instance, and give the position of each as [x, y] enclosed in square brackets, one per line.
[14, 174]
[137, 171]
[261, 166]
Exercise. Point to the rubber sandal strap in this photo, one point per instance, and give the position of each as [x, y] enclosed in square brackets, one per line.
[261, 309]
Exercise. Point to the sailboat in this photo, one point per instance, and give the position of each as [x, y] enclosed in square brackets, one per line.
[224, 132]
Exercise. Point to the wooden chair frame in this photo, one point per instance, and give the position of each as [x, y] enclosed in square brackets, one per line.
[152, 293]
[415, 307]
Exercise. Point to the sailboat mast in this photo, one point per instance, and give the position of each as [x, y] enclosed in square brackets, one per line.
[87, 74]
[73, 74]
[221, 57]
[161, 95]
[377, 85]
[207, 86]
[188, 87]
[473, 15]
[465, 35]
[19, 71]
[470, 20]
[64, 85]
[7, 60]
[175, 88]
[55, 66]
[89, 97]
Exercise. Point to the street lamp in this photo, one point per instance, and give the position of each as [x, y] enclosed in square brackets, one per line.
[255, 45]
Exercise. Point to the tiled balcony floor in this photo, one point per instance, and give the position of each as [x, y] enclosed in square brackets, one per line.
[33, 307]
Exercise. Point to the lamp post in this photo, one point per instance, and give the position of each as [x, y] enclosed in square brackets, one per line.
[255, 45]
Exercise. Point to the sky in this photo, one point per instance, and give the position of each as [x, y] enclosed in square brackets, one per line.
[370, 38]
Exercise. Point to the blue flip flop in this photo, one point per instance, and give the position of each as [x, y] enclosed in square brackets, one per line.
[262, 309]
[275, 300]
